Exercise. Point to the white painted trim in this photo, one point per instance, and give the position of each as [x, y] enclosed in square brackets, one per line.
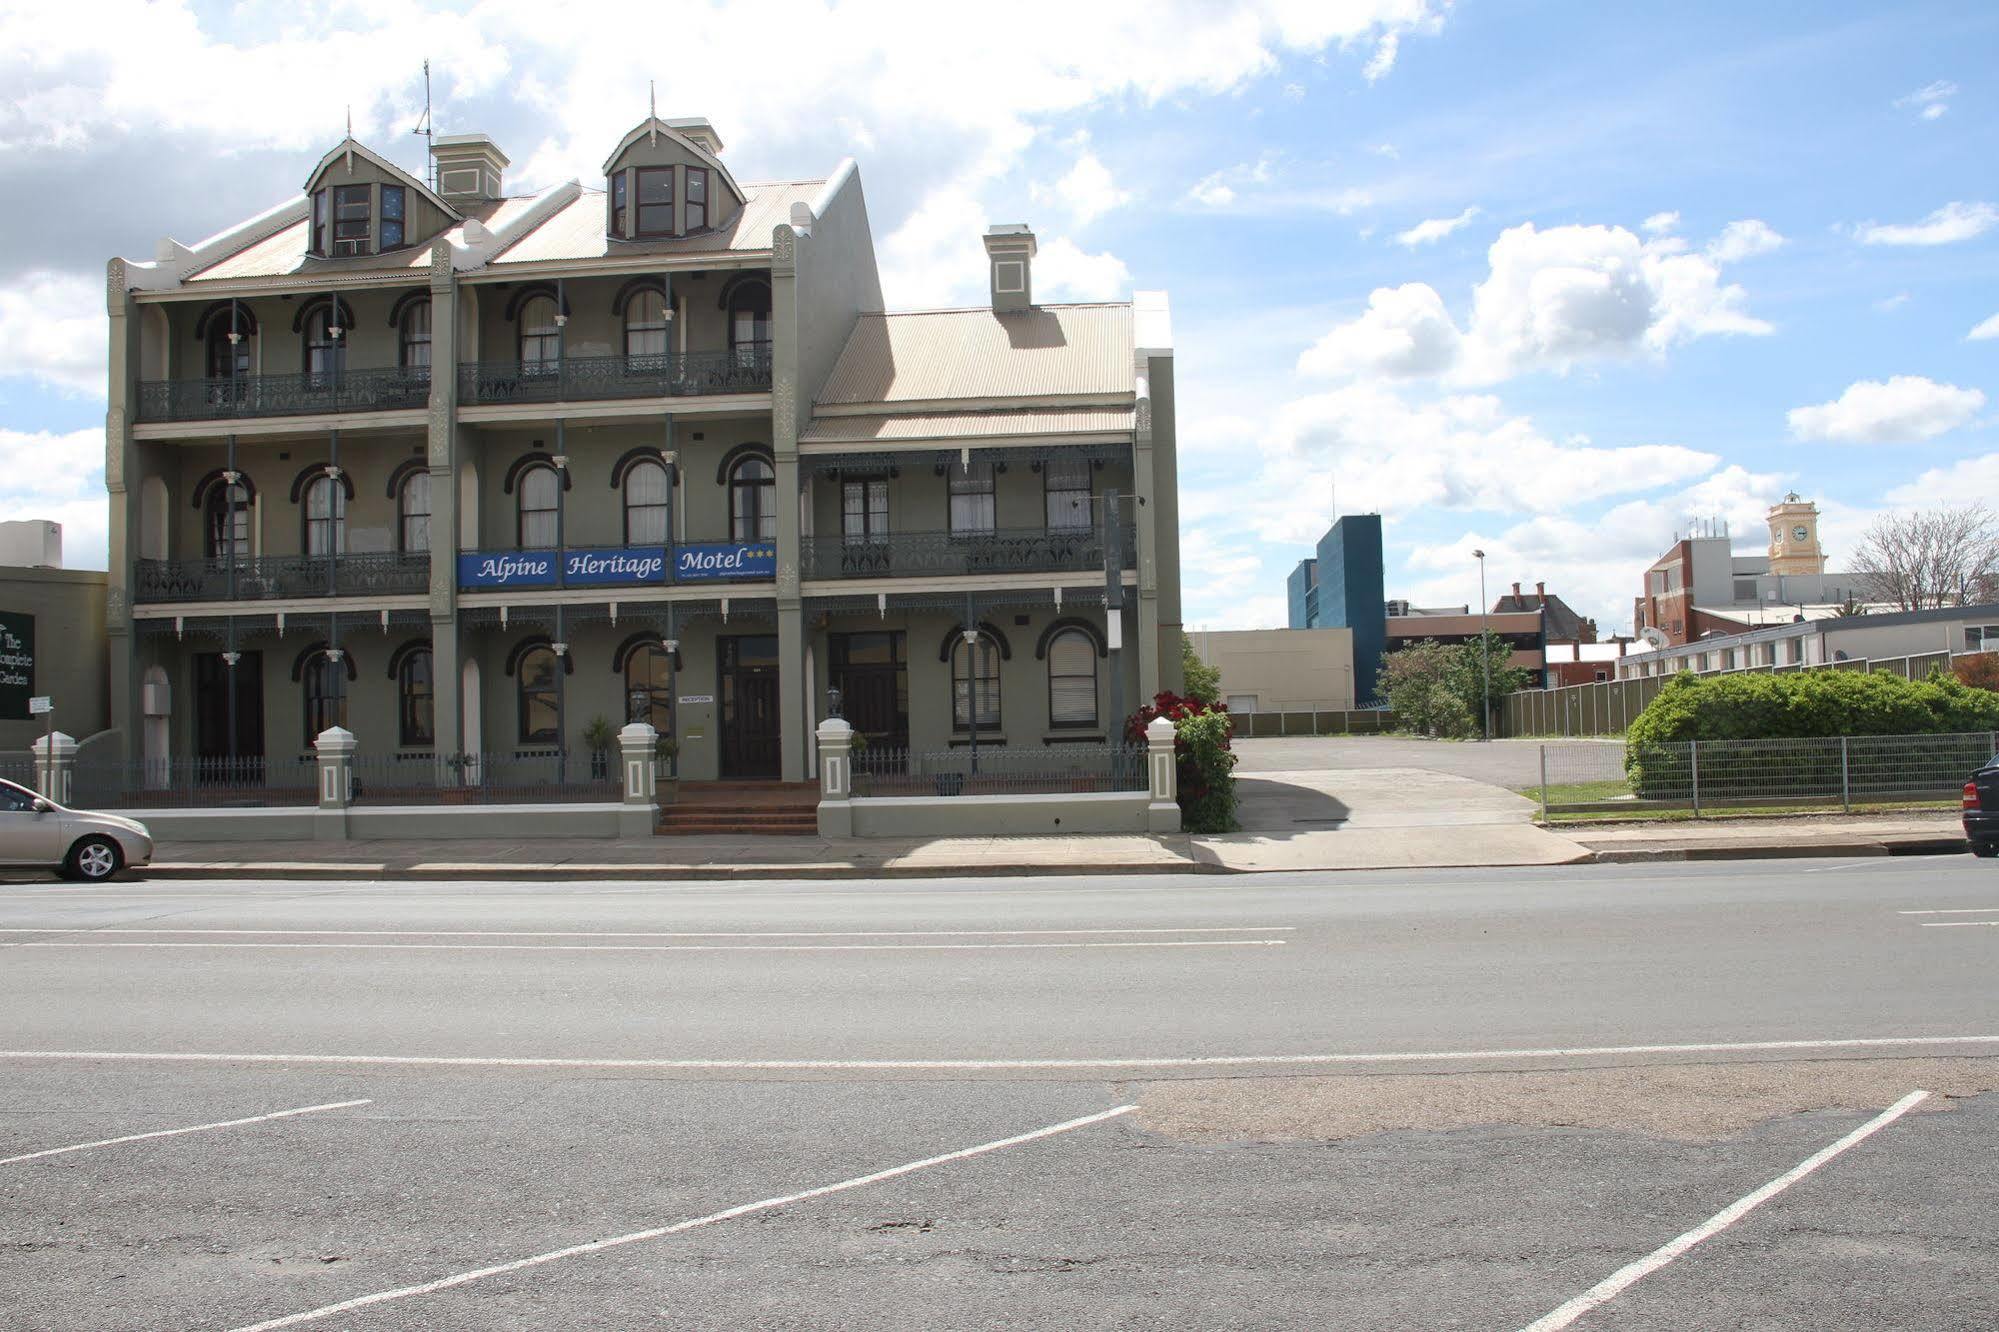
[345, 422]
[828, 192]
[714, 404]
[175, 1133]
[178, 610]
[955, 583]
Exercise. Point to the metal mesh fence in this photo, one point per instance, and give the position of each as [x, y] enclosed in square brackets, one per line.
[1057, 769]
[1714, 774]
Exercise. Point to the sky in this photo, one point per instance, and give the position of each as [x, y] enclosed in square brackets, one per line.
[1553, 279]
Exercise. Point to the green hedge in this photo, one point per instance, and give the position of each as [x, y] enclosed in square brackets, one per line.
[1798, 705]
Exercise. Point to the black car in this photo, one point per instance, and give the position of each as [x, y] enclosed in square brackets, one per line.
[1981, 810]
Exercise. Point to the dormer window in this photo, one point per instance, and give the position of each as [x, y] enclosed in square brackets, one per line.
[655, 201]
[319, 221]
[697, 199]
[618, 204]
[350, 220]
[392, 217]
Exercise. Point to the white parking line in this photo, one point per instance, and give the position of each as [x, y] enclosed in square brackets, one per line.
[681, 948]
[681, 1227]
[1951, 911]
[1615, 1284]
[1953, 924]
[664, 934]
[1005, 1065]
[174, 1133]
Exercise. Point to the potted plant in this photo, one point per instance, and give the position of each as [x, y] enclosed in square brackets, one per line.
[598, 737]
[665, 787]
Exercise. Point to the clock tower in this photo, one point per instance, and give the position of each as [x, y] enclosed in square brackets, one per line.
[1794, 538]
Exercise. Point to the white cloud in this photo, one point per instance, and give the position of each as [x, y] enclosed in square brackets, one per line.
[1436, 228]
[1895, 302]
[1931, 101]
[1904, 409]
[61, 478]
[1743, 240]
[1551, 300]
[1212, 191]
[53, 329]
[1218, 189]
[1966, 481]
[1064, 271]
[1988, 328]
[1950, 223]
[1383, 58]
[1088, 189]
[1660, 224]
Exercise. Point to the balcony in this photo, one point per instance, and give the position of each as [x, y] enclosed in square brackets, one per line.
[282, 395]
[934, 554]
[274, 577]
[586, 378]
[618, 566]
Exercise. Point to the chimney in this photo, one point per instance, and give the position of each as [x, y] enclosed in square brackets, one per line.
[1516, 591]
[1541, 593]
[1009, 252]
[699, 132]
[470, 167]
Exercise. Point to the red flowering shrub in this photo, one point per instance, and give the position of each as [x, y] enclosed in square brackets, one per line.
[1202, 758]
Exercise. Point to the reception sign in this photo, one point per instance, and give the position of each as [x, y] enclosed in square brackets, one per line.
[697, 564]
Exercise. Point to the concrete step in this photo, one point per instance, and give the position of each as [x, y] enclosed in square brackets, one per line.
[738, 828]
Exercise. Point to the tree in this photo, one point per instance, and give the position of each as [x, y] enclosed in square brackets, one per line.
[1202, 680]
[1438, 689]
[1930, 559]
[1496, 666]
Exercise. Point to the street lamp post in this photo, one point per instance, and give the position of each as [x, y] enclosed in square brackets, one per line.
[1484, 646]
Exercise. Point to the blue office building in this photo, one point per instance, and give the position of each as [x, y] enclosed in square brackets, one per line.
[1343, 589]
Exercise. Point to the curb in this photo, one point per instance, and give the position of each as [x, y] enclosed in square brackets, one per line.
[641, 872]
[1933, 846]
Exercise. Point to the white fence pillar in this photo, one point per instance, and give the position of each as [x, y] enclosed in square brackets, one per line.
[55, 762]
[335, 747]
[1162, 813]
[638, 755]
[836, 778]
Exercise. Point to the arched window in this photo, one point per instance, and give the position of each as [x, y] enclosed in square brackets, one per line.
[649, 687]
[975, 685]
[325, 355]
[749, 324]
[413, 513]
[541, 336]
[413, 341]
[1072, 679]
[537, 493]
[645, 327]
[221, 352]
[645, 504]
[325, 700]
[325, 517]
[226, 521]
[537, 678]
[416, 701]
[752, 501]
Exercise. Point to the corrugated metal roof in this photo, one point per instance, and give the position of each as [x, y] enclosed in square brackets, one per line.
[283, 252]
[577, 232]
[965, 425]
[932, 355]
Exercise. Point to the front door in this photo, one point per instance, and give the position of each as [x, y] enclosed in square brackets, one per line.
[748, 688]
[872, 674]
[223, 694]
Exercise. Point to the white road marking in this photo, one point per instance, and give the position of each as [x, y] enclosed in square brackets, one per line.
[684, 948]
[1953, 924]
[663, 934]
[681, 1227]
[1951, 911]
[1001, 1065]
[174, 1133]
[1615, 1284]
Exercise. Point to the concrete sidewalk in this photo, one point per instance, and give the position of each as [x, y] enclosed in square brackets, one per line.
[1743, 839]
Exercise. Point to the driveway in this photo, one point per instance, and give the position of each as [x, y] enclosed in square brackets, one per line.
[1513, 764]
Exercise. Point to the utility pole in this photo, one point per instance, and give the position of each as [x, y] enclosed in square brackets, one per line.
[1484, 646]
[1114, 608]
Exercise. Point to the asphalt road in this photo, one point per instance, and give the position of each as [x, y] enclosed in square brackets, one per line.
[1367, 1101]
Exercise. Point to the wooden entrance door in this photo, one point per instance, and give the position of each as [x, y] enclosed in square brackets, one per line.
[871, 672]
[748, 688]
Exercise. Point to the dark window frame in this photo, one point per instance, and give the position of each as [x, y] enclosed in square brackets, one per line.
[324, 702]
[405, 515]
[400, 220]
[1095, 719]
[663, 505]
[215, 513]
[635, 323]
[696, 175]
[875, 524]
[641, 208]
[333, 521]
[530, 690]
[1079, 515]
[752, 299]
[363, 242]
[656, 684]
[978, 482]
[409, 339]
[324, 356]
[529, 478]
[322, 220]
[969, 678]
[752, 500]
[545, 339]
[416, 700]
[620, 203]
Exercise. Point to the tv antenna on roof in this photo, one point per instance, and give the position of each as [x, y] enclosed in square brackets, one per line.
[423, 128]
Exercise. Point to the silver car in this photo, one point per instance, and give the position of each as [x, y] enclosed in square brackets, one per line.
[77, 844]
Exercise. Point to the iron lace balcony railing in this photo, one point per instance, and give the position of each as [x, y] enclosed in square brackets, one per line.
[276, 576]
[1002, 550]
[283, 395]
[582, 378]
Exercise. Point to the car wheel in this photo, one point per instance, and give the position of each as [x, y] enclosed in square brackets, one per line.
[1985, 850]
[93, 860]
